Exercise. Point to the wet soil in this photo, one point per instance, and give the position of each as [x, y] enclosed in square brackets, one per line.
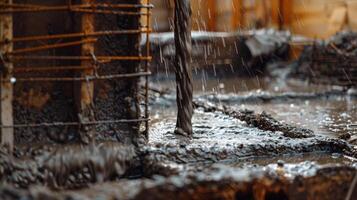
[228, 157]
[66, 166]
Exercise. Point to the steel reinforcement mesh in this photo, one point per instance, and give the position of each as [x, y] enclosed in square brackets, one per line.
[76, 67]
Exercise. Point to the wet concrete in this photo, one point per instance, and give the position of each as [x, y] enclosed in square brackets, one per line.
[66, 166]
[327, 110]
[228, 157]
[288, 181]
[222, 137]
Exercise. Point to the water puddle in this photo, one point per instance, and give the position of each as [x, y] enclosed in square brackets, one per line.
[289, 102]
[316, 158]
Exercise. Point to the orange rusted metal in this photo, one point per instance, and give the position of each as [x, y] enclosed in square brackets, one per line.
[99, 58]
[92, 8]
[89, 62]
[48, 69]
[108, 12]
[74, 35]
[102, 5]
[86, 89]
[51, 46]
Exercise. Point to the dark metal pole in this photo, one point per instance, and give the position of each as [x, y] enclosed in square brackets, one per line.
[183, 67]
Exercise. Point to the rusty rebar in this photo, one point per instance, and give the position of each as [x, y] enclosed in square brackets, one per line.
[53, 124]
[48, 68]
[99, 8]
[103, 5]
[147, 66]
[19, 5]
[73, 8]
[51, 46]
[75, 35]
[86, 78]
[82, 10]
[99, 58]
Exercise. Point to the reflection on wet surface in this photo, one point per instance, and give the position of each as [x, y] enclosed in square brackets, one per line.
[291, 165]
[291, 102]
[315, 158]
[330, 116]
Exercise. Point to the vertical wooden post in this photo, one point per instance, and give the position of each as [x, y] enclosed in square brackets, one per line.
[86, 113]
[211, 6]
[238, 14]
[282, 13]
[275, 13]
[6, 33]
[287, 13]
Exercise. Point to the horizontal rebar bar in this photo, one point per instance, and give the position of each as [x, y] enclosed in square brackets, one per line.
[99, 8]
[74, 35]
[108, 12]
[51, 46]
[87, 78]
[77, 8]
[99, 58]
[52, 124]
[103, 5]
[52, 68]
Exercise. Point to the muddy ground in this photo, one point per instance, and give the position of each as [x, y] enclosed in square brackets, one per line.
[292, 150]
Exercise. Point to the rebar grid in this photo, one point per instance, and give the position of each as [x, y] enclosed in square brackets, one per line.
[97, 8]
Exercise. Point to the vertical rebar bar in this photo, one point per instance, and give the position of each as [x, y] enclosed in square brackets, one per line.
[86, 112]
[147, 66]
[6, 33]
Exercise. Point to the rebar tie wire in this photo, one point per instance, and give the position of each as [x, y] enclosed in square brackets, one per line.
[91, 8]
[96, 64]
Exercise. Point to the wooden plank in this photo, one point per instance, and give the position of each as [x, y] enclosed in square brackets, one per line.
[275, 13]
[352, 14]
[86, 113]
[6, 33]
[238, 14]
[314, 18]
[287, 12]
[211, 6]
[282, 13]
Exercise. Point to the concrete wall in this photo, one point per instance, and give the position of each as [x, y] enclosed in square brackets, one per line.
[40, 102]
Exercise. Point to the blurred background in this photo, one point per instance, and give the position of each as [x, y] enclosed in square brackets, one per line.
[310, 18]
